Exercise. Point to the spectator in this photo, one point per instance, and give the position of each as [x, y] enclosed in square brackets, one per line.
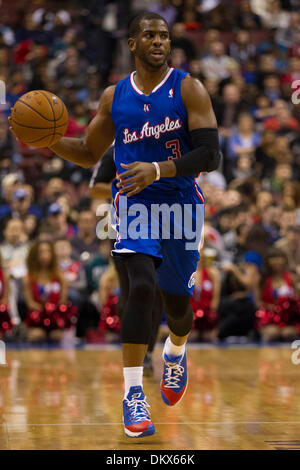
[246, 17]
[290, 246]
[240, 291]
[287, 34]
[206, 296]
[217, 64]
[278, 318]
[54, 188]
[97, 266]
[180, 41]
[166, 10]
[45, 292]
[242, 50]
[228, 109]
[245, 140]
[73, 271]
[283, 119]
[56, 225]
[86, 244]
[14, 249]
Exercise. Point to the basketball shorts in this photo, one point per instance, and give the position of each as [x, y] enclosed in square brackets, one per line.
[168, 227]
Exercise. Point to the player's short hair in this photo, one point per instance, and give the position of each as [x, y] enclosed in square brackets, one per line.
[134, 23]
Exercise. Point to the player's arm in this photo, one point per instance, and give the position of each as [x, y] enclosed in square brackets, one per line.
[100, 185]
[204, 157]
[99, 136]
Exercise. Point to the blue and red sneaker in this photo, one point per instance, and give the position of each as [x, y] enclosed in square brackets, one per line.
[174, 380]
[136, 417]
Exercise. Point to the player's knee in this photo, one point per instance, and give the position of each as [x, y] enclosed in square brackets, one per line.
[143, 290]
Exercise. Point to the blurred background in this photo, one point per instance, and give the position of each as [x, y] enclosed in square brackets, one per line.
[247, 54]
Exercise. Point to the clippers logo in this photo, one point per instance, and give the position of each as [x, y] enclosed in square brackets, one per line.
[146, 108]
[171, 93]
[192, 280]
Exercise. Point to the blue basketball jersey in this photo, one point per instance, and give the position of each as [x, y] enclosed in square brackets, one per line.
[152, 128]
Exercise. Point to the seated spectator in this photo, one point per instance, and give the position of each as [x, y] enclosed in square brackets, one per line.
[179, 59]
[73, 271]
[263, 108]
[110, 323]
[240, 291]
[56, 224]
[21, 205]
[286, 35]
[86, 244]
[228, 108]
[282, 120]
[206, 296]
[54, 188]
[242, 49]
[15, 247]
[217, 64]
[274, 16]
[75, 275]
[265, 154]
[45, 290]
[245, 140]
[279, 315]
[181, 41]
[271, 87]
[246, 17]
[289, 244]
[165, 9]
[97, 266]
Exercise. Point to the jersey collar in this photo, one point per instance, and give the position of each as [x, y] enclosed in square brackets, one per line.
[134, 86]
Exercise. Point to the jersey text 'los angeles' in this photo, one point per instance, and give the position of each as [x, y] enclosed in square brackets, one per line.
[152, 128]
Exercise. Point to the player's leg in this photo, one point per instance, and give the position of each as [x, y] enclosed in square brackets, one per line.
[176, 278]
[156, 321]
[179, 317]
[135, 332]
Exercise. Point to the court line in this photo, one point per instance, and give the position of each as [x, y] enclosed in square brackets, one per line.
[160, 424]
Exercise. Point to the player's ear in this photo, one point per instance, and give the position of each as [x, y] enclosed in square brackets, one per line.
[132, 44]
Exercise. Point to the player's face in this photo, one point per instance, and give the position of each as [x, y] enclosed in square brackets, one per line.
[152, 44]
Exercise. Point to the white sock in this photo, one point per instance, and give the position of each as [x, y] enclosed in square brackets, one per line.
[133, 376]
[171, 349]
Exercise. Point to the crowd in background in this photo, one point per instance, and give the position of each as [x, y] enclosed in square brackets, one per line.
[247, 54]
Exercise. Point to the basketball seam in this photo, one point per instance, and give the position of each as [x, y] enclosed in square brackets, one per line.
[53, 115]
[63, 110]
[41, 138]
[29, 106]
[34, 127]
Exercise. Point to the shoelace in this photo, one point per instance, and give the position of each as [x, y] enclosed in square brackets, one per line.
[138, 409]
[173, 374]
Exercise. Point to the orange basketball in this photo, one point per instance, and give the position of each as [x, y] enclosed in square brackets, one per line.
[39, 118]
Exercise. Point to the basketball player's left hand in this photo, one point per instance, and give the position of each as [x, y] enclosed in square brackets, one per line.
[138, 176]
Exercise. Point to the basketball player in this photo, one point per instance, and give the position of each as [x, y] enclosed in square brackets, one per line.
[165, 133]
[100, 188]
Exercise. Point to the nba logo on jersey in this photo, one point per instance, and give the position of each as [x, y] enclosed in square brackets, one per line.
[171, 93]
[146, 108]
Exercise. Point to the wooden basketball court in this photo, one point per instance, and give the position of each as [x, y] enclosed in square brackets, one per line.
[63, 399]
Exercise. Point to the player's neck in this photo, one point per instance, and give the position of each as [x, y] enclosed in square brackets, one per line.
[147, 78]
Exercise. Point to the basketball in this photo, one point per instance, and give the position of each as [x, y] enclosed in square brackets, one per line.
[39, 118]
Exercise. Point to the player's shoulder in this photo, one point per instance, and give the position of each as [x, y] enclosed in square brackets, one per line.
[191, 85]
[108, 93]
[106, 99]
[194, 93]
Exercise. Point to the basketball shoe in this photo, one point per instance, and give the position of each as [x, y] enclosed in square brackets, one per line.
[174, 380]
[136, 417]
